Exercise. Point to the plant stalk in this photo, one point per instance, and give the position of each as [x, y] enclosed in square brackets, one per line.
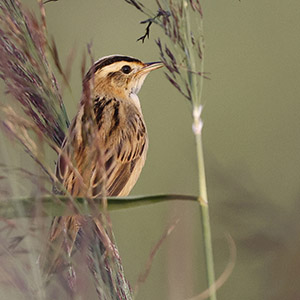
[196, 91]
[205, 222]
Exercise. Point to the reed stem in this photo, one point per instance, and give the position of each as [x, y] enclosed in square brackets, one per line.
[205, 221]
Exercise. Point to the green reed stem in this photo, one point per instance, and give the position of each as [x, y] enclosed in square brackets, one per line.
[196, 84]
[205, 221]
[60, 205]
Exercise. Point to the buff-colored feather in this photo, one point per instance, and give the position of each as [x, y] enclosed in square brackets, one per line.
[105, 149]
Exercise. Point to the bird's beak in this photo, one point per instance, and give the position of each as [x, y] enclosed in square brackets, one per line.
[152, 66]
[142, 73]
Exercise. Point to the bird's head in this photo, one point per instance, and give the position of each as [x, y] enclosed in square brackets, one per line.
[119, 76]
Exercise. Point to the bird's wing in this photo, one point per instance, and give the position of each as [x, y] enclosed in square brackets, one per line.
[115, 155]
[127, 158]
[124, 141]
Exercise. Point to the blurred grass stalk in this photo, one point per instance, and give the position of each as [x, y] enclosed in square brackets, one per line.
[182, 23]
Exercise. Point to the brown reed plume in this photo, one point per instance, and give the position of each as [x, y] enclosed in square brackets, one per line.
[37, 107]
[26, 71]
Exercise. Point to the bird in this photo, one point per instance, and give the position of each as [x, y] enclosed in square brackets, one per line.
[105, 148]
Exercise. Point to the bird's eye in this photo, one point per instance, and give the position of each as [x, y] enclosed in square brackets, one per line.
[126, 69]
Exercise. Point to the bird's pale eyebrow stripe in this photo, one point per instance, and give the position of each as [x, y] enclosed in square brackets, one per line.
[108, 61]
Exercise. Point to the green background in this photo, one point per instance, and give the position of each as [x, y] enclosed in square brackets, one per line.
[251, 141]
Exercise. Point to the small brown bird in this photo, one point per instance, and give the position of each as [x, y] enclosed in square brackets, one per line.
[105, 149]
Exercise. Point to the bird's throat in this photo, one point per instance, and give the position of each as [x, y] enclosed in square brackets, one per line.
[135, 99]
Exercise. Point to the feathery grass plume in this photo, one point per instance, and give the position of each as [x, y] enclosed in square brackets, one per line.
[22, 175]
[28, 78]
[137, 4]
[181, 49]
[16, 280]
[26, 72]
[65, 73]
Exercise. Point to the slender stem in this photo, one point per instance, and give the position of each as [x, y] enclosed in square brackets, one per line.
[203, 201]
[196, 85]
[61, 205]
[197, 88]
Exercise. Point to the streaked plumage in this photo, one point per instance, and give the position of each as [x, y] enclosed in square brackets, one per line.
[105, 149]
